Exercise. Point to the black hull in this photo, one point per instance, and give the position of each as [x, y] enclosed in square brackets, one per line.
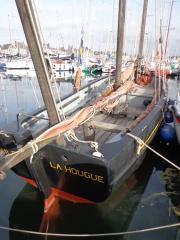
[86, 178]
[74, 173]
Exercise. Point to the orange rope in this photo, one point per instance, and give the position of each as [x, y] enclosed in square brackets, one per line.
[146, 111]
[83, 114]
[77, 83]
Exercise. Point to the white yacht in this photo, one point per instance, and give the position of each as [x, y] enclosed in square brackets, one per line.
[19, 64]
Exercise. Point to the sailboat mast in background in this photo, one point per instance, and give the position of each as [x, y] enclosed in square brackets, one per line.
[169, 24]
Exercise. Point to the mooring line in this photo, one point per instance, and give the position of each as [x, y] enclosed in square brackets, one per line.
[89, 234]
[142, 143]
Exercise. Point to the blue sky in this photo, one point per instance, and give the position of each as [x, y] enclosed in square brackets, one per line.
[62, 20]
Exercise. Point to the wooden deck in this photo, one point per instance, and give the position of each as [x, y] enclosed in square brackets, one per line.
[107, 125]
[104, 126]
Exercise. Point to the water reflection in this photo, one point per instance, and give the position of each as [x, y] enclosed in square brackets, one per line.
[160, 203]
[18, 96]
[20, 92]
[26, 212]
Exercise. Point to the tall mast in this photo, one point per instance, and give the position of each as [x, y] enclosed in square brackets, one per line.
[142, 33]
[161, 41]
[169, 24]
[10, 37]
[30, 26]
[120, 41]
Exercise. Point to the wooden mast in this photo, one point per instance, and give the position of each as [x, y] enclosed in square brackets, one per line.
[142, 33]
[120, 41]
[30, 26]
[169, 24]
[161, 41]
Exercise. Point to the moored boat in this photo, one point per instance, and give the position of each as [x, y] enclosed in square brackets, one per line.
[18, 64]
[91, 152]
[87, 168]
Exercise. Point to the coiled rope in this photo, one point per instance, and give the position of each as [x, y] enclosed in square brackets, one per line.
[89, 234]
[71, 135]
[142, 143]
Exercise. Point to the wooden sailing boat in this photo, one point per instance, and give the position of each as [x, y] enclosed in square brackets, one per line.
[89, 153]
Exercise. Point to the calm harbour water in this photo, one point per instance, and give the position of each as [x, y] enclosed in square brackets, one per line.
[149, 198]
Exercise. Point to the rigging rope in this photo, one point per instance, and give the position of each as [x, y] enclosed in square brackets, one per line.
[61, 109]
[142, 143]
[89, 234]
[35, 94]
[52, 78]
